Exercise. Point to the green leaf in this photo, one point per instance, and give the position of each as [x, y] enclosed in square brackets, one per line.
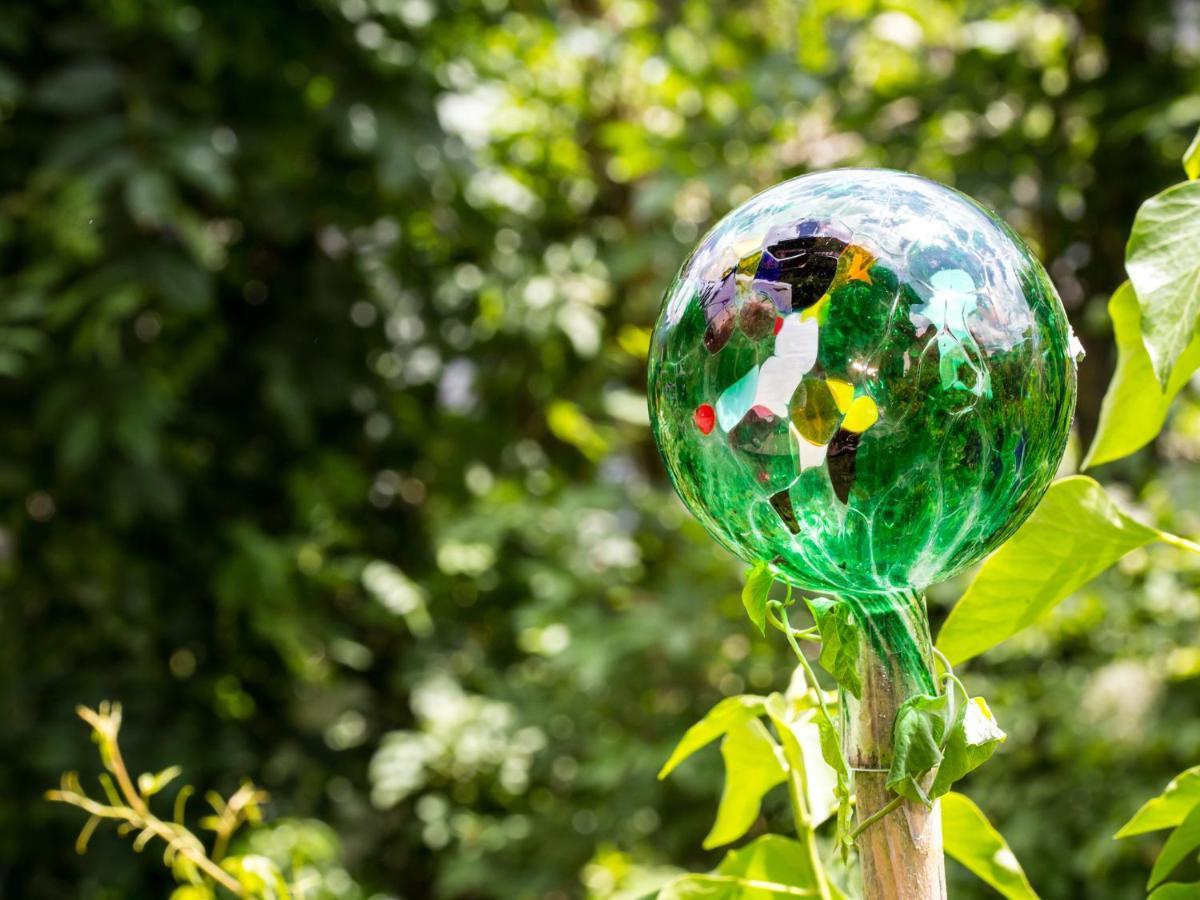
[768, 867]
[728, 887]
[1169, 808]
[1176, 891]
[1164, 266]
[1075, 534]
[972, 741]
[770, 858]
[1191, 158]
[752, 768]
[195, 161]
[1182, 843]
[571, 425]
[726, 715]
[917, 736]
[831, 752]
[840, 637]
[184, 286]
[755, 592]
[1135, 405]
[969, 837]
[826, 775]
[150, 198]
[80, 88]
[191, 892]
[801, 738]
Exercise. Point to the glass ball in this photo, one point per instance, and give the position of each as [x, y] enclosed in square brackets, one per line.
[863, 379]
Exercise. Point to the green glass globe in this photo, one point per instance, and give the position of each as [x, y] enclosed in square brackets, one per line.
[863, 379]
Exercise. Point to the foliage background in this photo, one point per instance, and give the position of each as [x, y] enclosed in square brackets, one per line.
[322, 336]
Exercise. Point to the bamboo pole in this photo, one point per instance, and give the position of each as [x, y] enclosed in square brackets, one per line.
[901, 853]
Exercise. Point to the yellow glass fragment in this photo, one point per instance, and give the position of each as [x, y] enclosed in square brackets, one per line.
[862, 415]
[748, 264]
[843, 393]
[818, 311]
[814, 412]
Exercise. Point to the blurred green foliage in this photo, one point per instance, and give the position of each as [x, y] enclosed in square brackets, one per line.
[322, 337]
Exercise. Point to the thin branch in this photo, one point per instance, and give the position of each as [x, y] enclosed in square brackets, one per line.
[131, 808]
[891, 806]
[785, 626]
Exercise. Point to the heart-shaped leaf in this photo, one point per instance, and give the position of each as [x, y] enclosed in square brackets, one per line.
[1135, 404]
[1075, 534]
[1163, 263]
[969, 837]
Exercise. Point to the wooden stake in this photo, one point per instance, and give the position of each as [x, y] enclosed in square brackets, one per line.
[901, 854]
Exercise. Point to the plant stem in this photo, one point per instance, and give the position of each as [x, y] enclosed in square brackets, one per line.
[876, 816]
[117, 764]
[797, 779]
[802, 816]
[818, 866]
[215, 872]
[804, 634]
[784, 625]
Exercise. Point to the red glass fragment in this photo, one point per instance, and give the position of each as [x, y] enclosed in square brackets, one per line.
[705, 417]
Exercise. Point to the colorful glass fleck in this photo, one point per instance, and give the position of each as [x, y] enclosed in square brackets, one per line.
[889, 374]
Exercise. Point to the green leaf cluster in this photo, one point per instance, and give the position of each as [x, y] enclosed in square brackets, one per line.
[840, 639]
[1078, 531]
[1154, 318]
[1176, 808]
[757, 759]
[936, 740]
